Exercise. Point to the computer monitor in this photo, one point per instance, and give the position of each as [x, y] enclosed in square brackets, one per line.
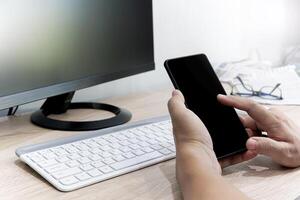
[51, 48]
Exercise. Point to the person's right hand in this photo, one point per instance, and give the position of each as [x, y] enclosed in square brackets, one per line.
[283, 141]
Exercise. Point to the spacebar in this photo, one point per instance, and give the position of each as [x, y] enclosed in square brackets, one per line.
[136, 160]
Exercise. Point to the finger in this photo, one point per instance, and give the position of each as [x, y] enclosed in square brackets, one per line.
[248, 122]
[253, 133]
[248, 155]
[259, 113]
[267, 146]
[176, 104]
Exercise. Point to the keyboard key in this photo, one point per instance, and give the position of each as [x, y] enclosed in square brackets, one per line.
[109, 161]
[144, 144]
[83, 176]
[70, 149]
[94, 173]
[42, 152]
[129, 135]
[105, 155]
[36, 158]
[166, 144]
[66, 173]
[93, 145]
[98, 164]
[62, 159]
[143, 138]
[69, 180]
[139, 132]
[107, 136]
[74, 156]
[161, 139]
[95, 157]
[134, 146]
[105, 148]
[118, 158]
[134, 141]
[112, 140]
[86, 167]
[124, 143]
[47, 163]
[148, 149]
[82, 147]
[88, 141]
[60, 152]
[72, 163]
[56, 168]
[84, 153]
[115, 145]
[84, 160]
[121, 137]
[136, 160]
[125, 149]
[151, 136]
[128, 155]
[49, 155]
[102, 142]
[152, 141]
[105, 169]
[138, 152]
[172, 148]
[155, 129]
[156, 147]
[96, 150]
[165, 151]
[115, 152]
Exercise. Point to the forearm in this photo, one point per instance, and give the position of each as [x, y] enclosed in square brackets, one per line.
[210, 187]
[200, 180]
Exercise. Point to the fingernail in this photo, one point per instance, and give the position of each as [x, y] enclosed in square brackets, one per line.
[221, 95]
[251, 144]
[174, 93]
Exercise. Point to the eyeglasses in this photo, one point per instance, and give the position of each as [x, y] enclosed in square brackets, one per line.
[267, 92]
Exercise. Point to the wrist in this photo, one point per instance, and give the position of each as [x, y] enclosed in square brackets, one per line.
[195, 166]
[197, 158]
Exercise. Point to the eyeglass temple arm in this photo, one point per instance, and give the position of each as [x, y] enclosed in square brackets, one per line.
[277, 86]
[243, 84]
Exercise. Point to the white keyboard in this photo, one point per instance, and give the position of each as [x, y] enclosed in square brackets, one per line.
[74, 163]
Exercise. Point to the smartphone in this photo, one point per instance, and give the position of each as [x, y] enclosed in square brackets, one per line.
[196, 79]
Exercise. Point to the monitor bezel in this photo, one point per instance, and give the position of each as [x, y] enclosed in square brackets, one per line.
[29, 96]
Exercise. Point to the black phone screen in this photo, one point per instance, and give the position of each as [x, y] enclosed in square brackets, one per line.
[196, 79]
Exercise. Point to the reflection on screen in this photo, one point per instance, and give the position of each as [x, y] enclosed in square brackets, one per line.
[53, 41]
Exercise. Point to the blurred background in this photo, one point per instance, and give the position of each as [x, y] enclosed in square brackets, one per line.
[224, 30]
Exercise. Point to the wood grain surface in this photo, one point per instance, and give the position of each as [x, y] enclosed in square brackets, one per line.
[259, 178]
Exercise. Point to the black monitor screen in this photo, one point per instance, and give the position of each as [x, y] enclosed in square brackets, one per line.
[48, 42]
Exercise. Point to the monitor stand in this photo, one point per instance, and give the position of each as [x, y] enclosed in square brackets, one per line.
[61, 103]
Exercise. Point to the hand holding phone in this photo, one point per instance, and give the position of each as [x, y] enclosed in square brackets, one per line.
[200, 86]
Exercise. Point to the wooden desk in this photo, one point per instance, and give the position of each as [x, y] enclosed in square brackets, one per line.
[259, 178]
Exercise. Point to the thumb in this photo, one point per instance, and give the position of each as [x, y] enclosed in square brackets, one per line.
[266, 146]
[176, 104]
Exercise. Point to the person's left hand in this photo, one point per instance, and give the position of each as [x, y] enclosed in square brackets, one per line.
[193, 140]
[198, 171]
[194, 146]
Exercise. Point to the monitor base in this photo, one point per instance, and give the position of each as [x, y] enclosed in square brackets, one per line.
[41, 118]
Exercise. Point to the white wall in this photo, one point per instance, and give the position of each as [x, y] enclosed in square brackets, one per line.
[223, 29]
